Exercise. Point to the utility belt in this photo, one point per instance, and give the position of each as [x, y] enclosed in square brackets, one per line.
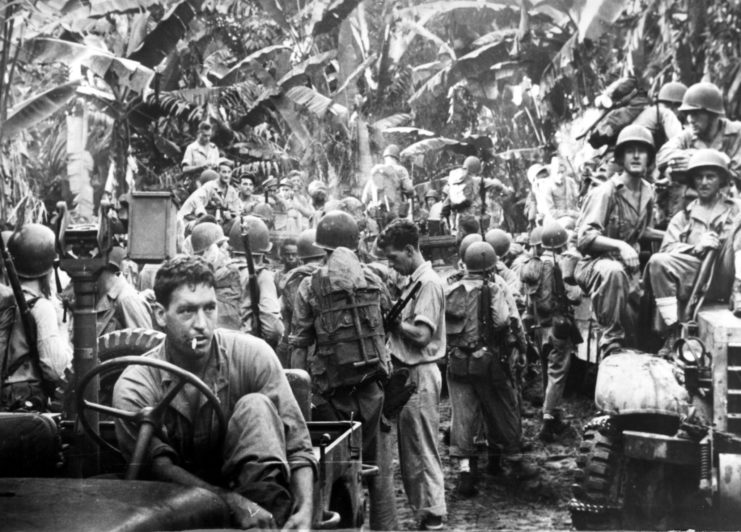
[398, 363]
[479, 362]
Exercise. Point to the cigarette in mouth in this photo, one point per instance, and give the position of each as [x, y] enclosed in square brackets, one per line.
[193, 344]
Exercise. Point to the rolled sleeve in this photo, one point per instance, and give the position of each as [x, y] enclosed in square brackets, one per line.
[679, 143]
[672, 241]
[55, 351]
[429, 305]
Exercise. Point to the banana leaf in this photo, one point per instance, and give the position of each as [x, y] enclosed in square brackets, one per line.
[37, 108]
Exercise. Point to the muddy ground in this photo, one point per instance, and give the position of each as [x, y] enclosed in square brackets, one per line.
[503, 504]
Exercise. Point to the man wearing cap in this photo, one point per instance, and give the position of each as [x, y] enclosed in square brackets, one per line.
[707, 223]
[218, 198]
[707, 127]
[201, 154]
[613, 218]
[119, 305]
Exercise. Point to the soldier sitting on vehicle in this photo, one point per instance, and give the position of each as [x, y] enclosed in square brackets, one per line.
[31, 372]
[338, 337]
[479, 314]
[706, 225]
[270, 327]
[264, 470]
[614, 216]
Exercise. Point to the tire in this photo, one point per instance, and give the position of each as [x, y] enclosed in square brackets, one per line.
[128, 342]
[597, 491]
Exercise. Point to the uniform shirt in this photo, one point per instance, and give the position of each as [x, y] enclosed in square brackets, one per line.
[270, 319]
[608, 211]
[501, 303]
[427, 307]
[660, 121]
[7, 318]
[239, 364]
[727, 140]
[559, 194]
[290, 290]
[210, 192]
[55, 350]
[122, 308]
[196, 154]
[687, 226]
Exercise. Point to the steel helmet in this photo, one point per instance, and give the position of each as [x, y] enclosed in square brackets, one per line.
[337, 229]
[305, 245]
[204, 235]
[554, 235]
[480, 257]
[536, 236]
[703, 97]
[472, 165]
[32, 249]
[116, 256]
[634, 134]
[258, 235]
[534, 170]
[432, 193]
[208, 175]
[392, 150]
[467, 241]
[316, 187]
[499, 240]
[672, 92]
[709, 158]
[263, 211]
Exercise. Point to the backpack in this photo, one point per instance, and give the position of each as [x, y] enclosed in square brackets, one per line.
[350, 338]
[228, 289]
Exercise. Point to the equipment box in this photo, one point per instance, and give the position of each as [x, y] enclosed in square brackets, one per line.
[152, 227]
[720, 331]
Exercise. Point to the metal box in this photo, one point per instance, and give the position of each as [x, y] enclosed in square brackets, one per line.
[720, 331]
[152, 226]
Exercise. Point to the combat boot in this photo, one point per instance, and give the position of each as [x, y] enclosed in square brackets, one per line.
[520, 469]
[552, 428]
[736, 298]
[466, 486]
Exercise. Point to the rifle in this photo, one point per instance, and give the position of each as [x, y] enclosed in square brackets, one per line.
[395, 311]
[700, 287]
[482, 195]
[254, 289]
[563, 316]
[29, 326]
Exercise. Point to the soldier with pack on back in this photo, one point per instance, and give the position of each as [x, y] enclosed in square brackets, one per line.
[554, 331]
[32, 369]
[259, 296]
[480, 318]
[338, 312]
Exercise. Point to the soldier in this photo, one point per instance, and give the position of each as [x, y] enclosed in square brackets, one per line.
[263, 470]
[614, 216]
[501, 241]
[559, 194]
[706, 128]
[417, 343]
[385, 191]
[201, 154]
[269, 308]
[480, 311]
[707, 223]
[554, 324]
[246, 192]
[289, 260]
[338, 311]
[32, 250]
[119, 305]
[217, 198]
[661, 119]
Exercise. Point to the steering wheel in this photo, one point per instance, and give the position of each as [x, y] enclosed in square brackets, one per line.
[150, 418]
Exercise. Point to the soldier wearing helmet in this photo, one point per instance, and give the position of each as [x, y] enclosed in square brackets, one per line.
[614, 216]
[32, 249]
[707, 127]
[501, 241]
[259, 239]
[661, 118]
[337, 335]
[706, 224]
[553, 319]
[479, 377]
[217, 198]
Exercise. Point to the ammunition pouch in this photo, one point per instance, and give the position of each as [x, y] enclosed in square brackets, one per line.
[465, 364]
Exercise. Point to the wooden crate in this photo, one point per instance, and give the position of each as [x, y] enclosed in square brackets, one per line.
[152, 226]
[720, 331]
